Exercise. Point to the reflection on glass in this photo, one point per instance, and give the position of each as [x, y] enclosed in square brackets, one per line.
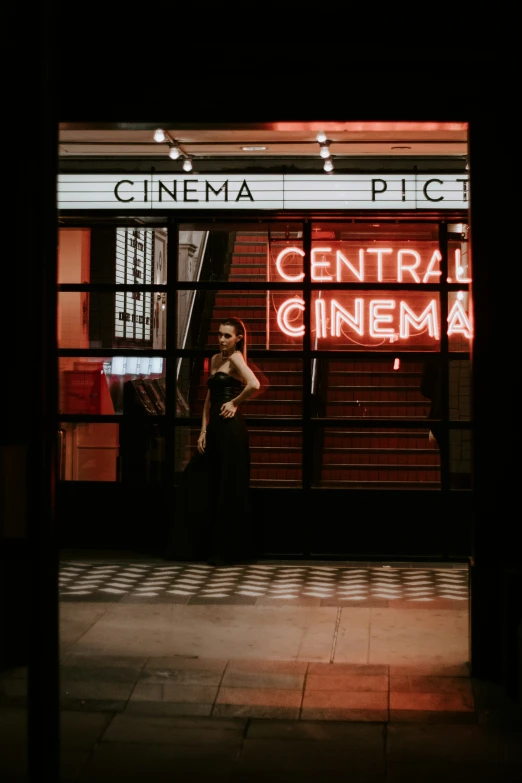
[121, 319]
[375, 319]
[239, 252]
[108, 254]
[88, 452]
[376, 458]
[102, 386]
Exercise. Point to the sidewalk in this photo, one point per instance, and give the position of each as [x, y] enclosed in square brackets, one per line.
[154, 687]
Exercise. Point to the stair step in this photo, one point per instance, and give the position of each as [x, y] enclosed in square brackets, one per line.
[260, 307]
[376, 403]
[336, 484]
[375, 449]
[387, 373]
[248, 252]
[371, 388]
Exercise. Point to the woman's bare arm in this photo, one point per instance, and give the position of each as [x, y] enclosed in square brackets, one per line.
[250, 379]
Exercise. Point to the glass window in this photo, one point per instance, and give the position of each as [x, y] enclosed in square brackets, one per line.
[379, 319]
[375, 252]
[88, 451]
[281, 392]
[112, 319]
[240, 252]
[273, 319]
[108, 254]
[368, 389]
[108, 386]
[376, 458]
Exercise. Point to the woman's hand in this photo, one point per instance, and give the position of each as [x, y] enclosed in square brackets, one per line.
[202, 442]
[228, 410]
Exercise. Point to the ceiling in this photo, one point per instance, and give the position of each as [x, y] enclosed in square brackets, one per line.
[283, 140]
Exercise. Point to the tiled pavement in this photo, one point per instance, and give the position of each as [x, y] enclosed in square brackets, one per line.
[121, 720]
[295, 688]
[235, 688]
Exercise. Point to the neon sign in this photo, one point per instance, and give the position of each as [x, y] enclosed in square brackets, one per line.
[359, 316]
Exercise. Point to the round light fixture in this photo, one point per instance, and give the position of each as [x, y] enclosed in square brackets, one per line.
[159, 135]
[324, 152]
[187, 164]
[328, 165]
[174, 153]
[321, 136]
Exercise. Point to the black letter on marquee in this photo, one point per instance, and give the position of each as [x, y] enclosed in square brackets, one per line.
[374, 191]
[186, 191]
[146, 189]
[216, 192]
[464, 188]
[248, 194]
[403, 189]
[173, 194]
[425, 190]
[128, 181]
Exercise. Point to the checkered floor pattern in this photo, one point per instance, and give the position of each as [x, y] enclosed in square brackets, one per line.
[355, 583]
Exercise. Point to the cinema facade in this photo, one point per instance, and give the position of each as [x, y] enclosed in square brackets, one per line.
[355, 290]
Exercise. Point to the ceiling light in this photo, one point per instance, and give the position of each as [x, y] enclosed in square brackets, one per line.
[159, 135]
[253, 149]
[187, 164]
[328, 165]
[174, 152]
[321, 136]
[324, 152]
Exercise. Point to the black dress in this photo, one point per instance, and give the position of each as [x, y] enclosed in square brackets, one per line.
[216, 484]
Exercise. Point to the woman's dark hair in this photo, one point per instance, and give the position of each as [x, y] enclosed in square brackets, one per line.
[240, 328]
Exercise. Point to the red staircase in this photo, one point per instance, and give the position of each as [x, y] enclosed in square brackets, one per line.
[376, 458]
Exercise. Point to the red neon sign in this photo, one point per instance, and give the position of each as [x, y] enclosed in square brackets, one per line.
[358, 317]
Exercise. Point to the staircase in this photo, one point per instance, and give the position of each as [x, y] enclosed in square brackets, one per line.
[376, 458]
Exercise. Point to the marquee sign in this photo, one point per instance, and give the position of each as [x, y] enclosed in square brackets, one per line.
[262, 191]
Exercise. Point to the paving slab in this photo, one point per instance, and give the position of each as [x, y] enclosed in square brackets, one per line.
[264, 674]
[345, 705]
[76, 618]
[352, 640]
[282, 633]
[400, 636]
[171, 730]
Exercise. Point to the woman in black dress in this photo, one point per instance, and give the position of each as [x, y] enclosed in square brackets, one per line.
[223, 444]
